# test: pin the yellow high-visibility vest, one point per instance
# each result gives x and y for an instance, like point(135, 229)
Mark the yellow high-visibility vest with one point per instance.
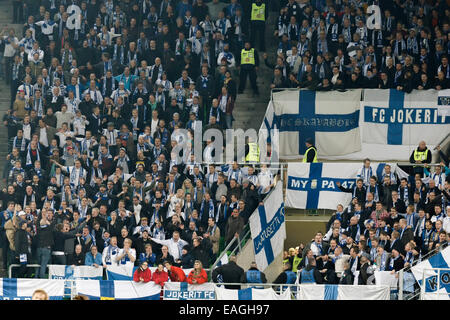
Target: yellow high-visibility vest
point(258, 12)
point(420, 155)
point(305, 156)
point(248, 56)
point(253, 152)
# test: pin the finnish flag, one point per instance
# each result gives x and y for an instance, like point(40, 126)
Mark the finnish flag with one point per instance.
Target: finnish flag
point(118, 290)
point(23, 289)
point(314, 185)
point(392, 117)
point(330, 119)
point(268, 228)
point(437, 285)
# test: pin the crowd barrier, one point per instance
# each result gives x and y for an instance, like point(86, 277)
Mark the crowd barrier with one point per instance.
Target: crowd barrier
point(59, 289)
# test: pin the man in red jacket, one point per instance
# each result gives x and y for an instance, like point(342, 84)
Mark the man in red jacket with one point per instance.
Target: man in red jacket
point(175, 274)
point(143, 273)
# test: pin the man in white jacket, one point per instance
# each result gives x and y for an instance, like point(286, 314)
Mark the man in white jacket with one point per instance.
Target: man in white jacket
point(175, 244)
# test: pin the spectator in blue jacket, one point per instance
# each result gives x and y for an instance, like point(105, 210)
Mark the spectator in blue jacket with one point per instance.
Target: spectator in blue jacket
point(93, 258)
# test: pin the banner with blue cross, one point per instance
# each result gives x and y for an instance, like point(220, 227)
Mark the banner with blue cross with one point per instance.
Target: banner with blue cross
point(330, 119)
point(23, 289)
point(118, 290)
point(268, 228)
point(392, 117)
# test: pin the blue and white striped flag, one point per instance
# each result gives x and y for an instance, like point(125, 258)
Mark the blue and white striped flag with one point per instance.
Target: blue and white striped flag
point(118, 290)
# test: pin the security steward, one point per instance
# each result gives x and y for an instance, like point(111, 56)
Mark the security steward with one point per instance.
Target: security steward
point(311, 152)
point(287, 276)
point(253, 275)
point(310, 274)
point(258, 17)
point(251, 151)
point(248, 65)
point(420, 155)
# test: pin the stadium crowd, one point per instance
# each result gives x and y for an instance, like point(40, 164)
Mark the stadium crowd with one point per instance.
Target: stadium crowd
point(327, 45)
point(390, 223)
point(91, 178)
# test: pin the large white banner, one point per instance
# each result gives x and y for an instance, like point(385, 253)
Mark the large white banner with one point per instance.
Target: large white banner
point(330, 119)
point(383, 125)
point(314, 185)
point(268, 228)
point(392, 118)
point(251, 294)
point(118, 290)
point(76, 272)
point(23, 289)
point(343, 292)
point(437, 284)
point(185, 291)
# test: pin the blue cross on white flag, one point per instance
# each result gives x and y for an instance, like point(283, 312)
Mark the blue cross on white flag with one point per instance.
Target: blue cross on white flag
point(22, 289)
point(397, 118)
point(118, 290)
point(435, 289)
point(268, 228)
point(330, 119)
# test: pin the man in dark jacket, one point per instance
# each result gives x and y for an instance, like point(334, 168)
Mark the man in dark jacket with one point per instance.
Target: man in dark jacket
point(45, 241)
point(22, 246)
point(229, 273)
point(251, 198)
point(347, 277)
point(77, 258)
point(235, 225)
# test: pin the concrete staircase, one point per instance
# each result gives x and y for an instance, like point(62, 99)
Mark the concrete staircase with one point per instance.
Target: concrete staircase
point(249, 111)
point(6, 12)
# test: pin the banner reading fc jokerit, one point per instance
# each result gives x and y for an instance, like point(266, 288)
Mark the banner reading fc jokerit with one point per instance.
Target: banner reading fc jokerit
point(381, 124)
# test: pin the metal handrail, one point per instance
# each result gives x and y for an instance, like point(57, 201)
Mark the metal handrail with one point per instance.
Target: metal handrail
point(18, 265)
point(224, 252)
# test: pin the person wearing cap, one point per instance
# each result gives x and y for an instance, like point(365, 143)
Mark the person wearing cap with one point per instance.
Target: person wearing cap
point(311, 151)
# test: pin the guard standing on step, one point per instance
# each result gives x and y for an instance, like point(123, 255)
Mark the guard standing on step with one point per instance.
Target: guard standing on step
point(258, 19)
point(311, 152)
point(248, 65)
